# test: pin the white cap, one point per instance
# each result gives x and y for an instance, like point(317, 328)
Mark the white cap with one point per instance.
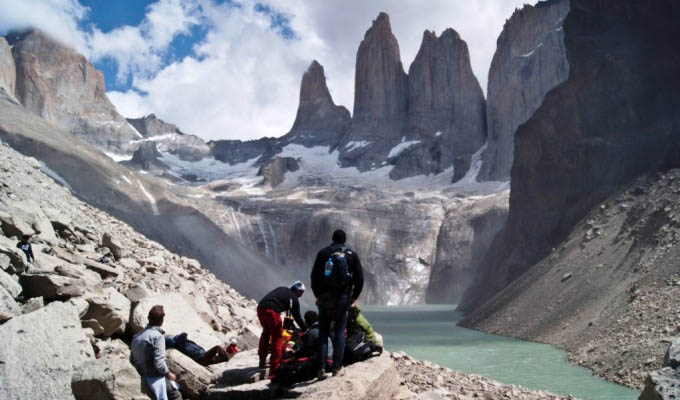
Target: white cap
point(298, 285)
point(232, 341)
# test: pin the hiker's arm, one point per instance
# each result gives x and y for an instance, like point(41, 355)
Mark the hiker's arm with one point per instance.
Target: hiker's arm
point(159, 356)
point(357, 278)
point(317, 272)
point(296, 314)
point(367, 328)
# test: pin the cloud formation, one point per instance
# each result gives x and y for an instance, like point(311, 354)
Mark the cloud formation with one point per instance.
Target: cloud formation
point(242, 80)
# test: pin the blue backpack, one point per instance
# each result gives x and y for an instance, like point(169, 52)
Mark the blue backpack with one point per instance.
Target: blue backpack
point(337, 274)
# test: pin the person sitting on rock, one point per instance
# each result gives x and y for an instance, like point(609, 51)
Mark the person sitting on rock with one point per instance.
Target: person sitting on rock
point(25, 246)
point(147, 353)
point(215, 355)
point(362, 341)
point(269, 311)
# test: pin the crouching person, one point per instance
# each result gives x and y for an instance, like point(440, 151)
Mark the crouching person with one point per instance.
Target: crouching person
point(148, 356)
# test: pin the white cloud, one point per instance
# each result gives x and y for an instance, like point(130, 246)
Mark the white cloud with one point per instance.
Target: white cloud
point(243, 82)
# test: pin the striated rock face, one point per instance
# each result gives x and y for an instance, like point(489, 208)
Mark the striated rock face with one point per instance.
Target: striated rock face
point(7, 69)
point(275, 171)
point(146, 157)
point(446, 107)
point(464, 238)
point(530, 60)
point(318, 121)
point(614, 119)
point(170, 139)
point(236, 152)
point(61, 86)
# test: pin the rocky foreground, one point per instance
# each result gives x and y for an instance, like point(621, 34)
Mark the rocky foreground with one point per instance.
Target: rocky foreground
point(66, 319)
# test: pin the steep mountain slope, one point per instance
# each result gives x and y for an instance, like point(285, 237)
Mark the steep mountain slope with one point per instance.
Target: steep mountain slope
point(611, 121)
point(60, 85)
point(169, 138)
point(530, 60)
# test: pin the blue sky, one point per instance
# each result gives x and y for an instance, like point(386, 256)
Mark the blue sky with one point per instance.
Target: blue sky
point(231, 69)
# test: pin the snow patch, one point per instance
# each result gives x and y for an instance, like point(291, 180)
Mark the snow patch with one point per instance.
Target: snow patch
point(118, 157)
point(396, 150)
point(125, 178)
point(438, 133)
point(529, 54)
point(351, 146)
point(135, 130)
point(152, 200)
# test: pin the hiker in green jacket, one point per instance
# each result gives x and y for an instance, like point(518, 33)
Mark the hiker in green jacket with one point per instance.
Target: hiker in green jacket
point(358, 323)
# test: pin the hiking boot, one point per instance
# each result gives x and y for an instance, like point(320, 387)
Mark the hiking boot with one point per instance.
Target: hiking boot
point(321, 375)
point(338, 372)
point(263, 364)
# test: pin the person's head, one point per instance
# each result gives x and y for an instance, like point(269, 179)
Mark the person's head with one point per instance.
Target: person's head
point(26, 238)
point(298, 288)
point(339, 236)
point(156, 315)
point(311, 317)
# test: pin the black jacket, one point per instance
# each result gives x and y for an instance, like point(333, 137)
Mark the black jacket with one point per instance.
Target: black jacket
point(283, 299)
point(318, 284)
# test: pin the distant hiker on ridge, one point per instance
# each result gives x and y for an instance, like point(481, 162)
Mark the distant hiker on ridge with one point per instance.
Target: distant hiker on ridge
point(148, 356)
point(25, 246)
point(337, 281)
point(268, 312)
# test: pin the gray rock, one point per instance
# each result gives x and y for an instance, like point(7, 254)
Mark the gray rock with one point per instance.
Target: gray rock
point(61, 86)
point(108, 379)
point(33, 304)
point(51, 287)
point(530, 60)
point(111, 310)
point(672, 357)
point(147, 157)
point(10, 284)
point(8, 306)
point(663, 384)
point(170, 139)
point(116, 248)
point(192, 377)
point(275, 171)
point(7, 69)
point(40, 352)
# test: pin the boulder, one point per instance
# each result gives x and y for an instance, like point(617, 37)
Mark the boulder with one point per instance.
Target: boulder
point(8, 306)
point(108, 379)
point(181, 315)
point(663, 384)
point(136, 292)
point(116, 248)
point(672, 357)
point(10, 284)
point(241, 369)
point(112, 348)
point(14, 259)
point(25, 217)
point(40, 351)
point(33, 304)
point(51, 287)
point(111, 310)
point(192, 377)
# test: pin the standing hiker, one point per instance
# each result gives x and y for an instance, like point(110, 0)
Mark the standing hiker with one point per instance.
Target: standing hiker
point(25, 246)
point(337, 281)
point(279, 300)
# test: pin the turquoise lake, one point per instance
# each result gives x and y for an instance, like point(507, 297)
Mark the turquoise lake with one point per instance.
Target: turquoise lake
point(430, 333)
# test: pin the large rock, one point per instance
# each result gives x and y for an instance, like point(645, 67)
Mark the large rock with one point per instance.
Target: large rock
point(192, 377)
point(8, 306)
point(111, 310)
point(672, 357)
point(319, 122)
point(662, 385)
point(446, 106)
point(40, 353)
point(51, 287)
point(108, 379)
point(61, 86)
point(275, 171)
point(14, 259)
point(25, 217)
point(146, 157)
point(112, 244)
point(182, 314)
point(530, 60)
point(611, 121)
point(10, 284)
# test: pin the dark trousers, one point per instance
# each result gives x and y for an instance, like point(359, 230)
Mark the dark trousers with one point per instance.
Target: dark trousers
point(333, 308)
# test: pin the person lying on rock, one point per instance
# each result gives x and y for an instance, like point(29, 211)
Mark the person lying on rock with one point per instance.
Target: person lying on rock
point(215, 355)
point(25, 246)
point(337, 280)
point(281, 299)
point(148, 356)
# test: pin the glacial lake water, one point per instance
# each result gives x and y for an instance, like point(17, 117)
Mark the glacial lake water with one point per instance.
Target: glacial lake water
point(430, 333)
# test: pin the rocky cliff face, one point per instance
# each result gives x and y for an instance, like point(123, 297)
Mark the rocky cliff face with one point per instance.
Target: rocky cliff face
point(169, 139)
point(318, 121)
point(464, 237)
point(7, 69)
point(446, 108)
point(530, 60)
point(61, 86)
point(614, 119)
point(153, 126)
